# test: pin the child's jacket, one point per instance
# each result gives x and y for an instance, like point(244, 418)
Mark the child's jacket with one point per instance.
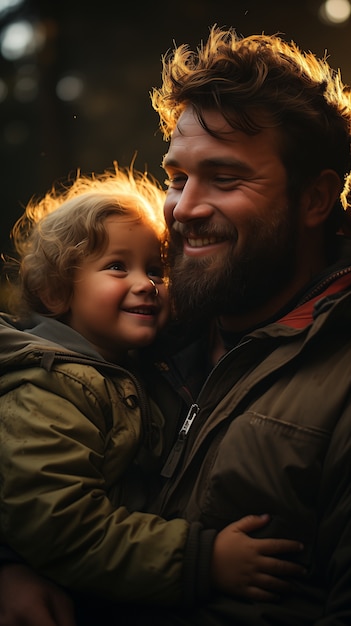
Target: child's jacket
point(79, 440)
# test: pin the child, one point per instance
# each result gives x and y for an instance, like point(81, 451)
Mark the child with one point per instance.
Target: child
point(79, 436)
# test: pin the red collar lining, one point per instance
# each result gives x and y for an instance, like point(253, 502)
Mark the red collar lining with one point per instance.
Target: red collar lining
point(303, 315)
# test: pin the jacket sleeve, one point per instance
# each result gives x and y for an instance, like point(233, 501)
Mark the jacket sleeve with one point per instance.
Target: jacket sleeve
point(197, 564)
point(55, 510)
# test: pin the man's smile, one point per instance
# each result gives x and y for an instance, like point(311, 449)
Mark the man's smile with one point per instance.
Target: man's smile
point(199, 242)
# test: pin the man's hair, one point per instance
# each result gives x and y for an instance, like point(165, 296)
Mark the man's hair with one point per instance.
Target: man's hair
point(55, 233)
point(261, 81)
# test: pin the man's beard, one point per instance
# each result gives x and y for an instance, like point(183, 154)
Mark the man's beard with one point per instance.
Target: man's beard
point(233, 283)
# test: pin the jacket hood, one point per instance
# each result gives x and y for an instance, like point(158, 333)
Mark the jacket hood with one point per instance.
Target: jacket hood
point(25, 343)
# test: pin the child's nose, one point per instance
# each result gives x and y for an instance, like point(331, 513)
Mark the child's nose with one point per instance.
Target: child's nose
point(148, 286)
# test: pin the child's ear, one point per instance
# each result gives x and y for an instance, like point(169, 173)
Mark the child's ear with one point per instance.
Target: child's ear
point(319, 198)
point(54, 303)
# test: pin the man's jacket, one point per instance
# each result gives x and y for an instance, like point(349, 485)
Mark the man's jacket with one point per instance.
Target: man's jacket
point(269, 431)
point(77, 440)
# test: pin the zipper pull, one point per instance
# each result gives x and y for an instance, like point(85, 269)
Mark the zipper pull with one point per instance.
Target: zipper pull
point(177, 450)
point(193, 411)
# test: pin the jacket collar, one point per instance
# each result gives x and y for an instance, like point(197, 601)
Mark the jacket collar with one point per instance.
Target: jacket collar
point(304, 314)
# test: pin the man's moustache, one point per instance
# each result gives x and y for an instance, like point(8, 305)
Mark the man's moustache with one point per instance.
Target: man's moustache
point(202, 231)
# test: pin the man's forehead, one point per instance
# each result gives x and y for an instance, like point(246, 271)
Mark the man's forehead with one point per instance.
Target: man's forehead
point(189, 122)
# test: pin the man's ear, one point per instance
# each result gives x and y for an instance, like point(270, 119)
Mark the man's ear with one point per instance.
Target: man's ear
point(319, 198)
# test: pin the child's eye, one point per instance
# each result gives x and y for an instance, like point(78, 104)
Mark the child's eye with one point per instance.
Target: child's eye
point(117, 266)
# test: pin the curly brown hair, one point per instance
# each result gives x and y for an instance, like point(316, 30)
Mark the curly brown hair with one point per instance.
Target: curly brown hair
point(58, 230)
point(263, 81)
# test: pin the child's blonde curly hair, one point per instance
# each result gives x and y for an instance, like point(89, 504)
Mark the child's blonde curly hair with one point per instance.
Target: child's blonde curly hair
point(66, 225)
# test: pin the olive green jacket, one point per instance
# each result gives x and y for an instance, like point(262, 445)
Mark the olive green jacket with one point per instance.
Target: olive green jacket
point(79, 441)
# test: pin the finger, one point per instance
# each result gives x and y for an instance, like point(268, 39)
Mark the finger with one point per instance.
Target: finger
point(277, 567)
point(279, 546)
point(272, 584)
point(249, 523)
point(261, 595)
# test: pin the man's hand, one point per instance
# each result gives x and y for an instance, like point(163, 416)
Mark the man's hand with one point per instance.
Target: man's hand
point(26, 599)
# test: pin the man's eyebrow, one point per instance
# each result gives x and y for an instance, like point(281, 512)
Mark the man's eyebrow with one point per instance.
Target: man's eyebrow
point(211, 162)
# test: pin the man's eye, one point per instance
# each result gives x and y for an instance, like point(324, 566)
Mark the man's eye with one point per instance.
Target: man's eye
point(225, 178)
point(175, 181)
point(228, 180)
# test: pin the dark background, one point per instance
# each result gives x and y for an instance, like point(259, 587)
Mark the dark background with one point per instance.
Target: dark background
point(115, 50)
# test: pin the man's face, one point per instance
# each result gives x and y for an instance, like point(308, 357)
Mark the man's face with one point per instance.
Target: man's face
point(233, 234)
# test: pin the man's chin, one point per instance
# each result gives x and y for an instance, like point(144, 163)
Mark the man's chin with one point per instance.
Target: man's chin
point(196, 286)
point(193, 305)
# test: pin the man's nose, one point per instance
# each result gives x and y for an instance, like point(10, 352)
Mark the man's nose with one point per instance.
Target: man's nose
point(192, 204)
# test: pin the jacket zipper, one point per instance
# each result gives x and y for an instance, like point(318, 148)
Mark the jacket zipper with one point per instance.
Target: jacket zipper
point(177, 450)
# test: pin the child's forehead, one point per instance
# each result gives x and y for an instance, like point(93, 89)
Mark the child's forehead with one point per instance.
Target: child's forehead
point(125, 222)
point(128, 231)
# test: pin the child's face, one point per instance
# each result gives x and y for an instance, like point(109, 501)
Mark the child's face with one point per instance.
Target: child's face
point(114, 305)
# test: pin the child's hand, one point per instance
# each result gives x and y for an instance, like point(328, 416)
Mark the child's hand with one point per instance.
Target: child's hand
point(248, 567)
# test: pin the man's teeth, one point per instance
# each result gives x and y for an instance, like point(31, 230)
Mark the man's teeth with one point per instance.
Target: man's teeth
point(203, 241)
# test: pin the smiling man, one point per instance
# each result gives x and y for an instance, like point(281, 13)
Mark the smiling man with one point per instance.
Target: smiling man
point(258, 167)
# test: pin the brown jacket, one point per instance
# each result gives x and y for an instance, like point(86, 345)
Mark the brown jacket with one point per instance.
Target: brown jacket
point(272, 434)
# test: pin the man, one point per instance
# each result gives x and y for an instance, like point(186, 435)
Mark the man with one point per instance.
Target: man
point(257, 164)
